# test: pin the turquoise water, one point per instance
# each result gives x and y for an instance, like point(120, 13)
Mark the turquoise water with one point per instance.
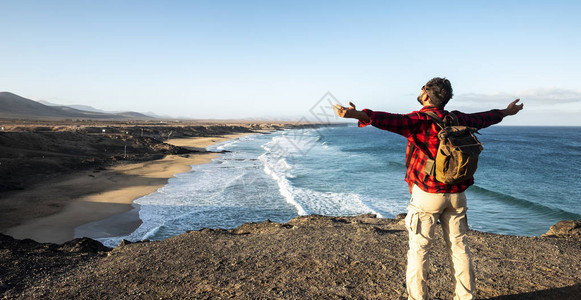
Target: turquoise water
point(528, 179)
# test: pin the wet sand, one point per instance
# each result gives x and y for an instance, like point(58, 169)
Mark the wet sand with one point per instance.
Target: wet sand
point(100, 203)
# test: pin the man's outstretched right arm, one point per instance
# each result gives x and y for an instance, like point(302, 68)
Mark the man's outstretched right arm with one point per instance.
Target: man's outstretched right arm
point(400, 124)
point(351, 113)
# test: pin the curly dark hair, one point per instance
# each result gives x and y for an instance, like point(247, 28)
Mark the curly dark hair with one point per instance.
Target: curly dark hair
point(439, 90)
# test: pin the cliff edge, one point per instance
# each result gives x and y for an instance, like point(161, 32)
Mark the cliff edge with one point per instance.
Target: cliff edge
point(310, 257)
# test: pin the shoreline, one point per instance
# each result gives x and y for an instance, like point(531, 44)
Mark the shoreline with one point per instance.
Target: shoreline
point(100, 204)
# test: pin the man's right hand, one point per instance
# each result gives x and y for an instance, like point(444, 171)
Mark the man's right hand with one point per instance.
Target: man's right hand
point(350, 112)
point(345, 112)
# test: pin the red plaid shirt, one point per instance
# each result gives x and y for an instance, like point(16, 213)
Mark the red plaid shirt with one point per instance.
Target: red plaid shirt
point(422, 131)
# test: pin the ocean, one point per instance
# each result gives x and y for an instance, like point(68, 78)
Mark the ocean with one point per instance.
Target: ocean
point(528, 179)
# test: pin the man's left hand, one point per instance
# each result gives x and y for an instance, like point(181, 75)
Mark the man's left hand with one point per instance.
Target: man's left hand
point(513, 108)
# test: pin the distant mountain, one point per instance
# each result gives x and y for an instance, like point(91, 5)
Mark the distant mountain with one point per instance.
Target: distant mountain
point(13, 106)
point(152, 114)
point(129, 114)
point(75, 106)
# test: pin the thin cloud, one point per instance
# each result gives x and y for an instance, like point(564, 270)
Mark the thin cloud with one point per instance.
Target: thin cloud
point(532, 98)
point(542, 106)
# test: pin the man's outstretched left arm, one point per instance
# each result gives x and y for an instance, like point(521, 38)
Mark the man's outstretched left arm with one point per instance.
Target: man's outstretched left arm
point(487, 118)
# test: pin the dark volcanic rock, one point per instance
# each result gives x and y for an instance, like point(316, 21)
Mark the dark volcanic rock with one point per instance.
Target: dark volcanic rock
point(26, 263)
point(84, 245)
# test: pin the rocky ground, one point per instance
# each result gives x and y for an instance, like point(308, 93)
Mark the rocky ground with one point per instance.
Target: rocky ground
point(310, 257)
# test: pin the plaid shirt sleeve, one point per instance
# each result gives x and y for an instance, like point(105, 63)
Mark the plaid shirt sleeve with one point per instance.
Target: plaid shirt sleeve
point(422, 132)
point(479, 120)
point(405, 125)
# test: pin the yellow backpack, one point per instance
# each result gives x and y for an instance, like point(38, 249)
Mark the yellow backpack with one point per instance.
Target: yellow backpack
point(457, 156)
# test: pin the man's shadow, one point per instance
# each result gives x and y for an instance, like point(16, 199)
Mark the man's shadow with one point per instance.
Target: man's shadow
point(568, 292)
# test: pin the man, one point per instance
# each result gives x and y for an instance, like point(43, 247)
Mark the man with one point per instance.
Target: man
point(432, 200)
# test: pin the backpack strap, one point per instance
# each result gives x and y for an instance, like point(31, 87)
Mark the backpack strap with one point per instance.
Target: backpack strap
point(408, 159)
point(432, 115)
point(413, 148)
point(438, 120)
point(415, 145)
point(454, 118)
point(418, 145)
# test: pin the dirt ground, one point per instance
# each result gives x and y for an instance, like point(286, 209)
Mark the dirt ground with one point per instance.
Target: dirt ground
point(310, 257)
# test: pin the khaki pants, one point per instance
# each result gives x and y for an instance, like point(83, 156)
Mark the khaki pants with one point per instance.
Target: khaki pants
point(423, 212)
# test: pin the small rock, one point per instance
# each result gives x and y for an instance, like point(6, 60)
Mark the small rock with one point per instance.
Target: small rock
point(124, 242)
point(400, 217)
point(569, 228)
point(84, 245)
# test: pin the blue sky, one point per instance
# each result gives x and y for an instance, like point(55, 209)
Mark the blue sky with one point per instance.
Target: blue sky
point(275, 60)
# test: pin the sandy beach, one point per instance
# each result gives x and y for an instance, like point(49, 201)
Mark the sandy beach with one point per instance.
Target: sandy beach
point(87, 197)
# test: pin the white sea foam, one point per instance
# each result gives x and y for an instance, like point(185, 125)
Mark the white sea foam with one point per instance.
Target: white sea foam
point(276, 176)
point(305, 200)
point(151, 233)
point(285, 188)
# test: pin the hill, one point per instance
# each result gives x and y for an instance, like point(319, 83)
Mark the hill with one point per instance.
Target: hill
point(17, 107)
point(128, 114)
